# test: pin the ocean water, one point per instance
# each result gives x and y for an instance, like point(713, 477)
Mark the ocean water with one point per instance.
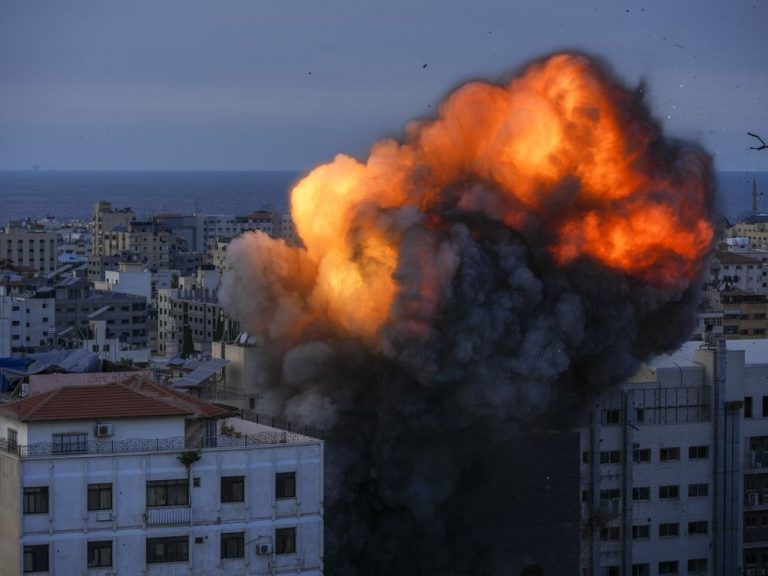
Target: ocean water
point(70, 195)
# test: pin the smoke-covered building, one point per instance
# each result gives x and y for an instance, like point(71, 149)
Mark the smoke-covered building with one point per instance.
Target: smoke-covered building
point(671, 467)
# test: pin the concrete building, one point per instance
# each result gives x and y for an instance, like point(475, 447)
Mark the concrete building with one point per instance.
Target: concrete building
point(129, 278)
point(105, 220)
point(671, 466)
point(744, 313)
point(127, 316)
point(196, 310)
point(738, 271)
point(135, 478)
point(31, 323)
point(754, 229)
point(23, 245)
point(112, 349)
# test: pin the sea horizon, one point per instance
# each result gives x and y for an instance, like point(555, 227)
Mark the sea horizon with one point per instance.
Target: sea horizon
point(41, 193)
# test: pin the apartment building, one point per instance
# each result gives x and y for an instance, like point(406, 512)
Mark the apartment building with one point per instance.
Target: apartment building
point(105, 220)
point(126, 315)
point(671, 479)
point(754, 229)
point(133, 477)
point(31, 323)
point(196, 311)
point(25, 246)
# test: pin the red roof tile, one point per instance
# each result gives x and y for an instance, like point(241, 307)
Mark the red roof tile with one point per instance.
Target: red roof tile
point(131, 398)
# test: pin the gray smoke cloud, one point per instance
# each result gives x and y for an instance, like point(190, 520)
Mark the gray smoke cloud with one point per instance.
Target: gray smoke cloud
point(429, 424)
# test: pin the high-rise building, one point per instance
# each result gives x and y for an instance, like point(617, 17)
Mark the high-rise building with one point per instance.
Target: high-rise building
point(672, 466)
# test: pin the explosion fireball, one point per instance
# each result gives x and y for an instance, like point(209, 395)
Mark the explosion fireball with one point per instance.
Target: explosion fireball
point(531, 244)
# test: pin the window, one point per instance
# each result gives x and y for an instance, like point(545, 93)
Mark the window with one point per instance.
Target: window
point(640, 455)
point(696, 528)
point(285, 485)
point(669, 492)
point(668, 567)
point(13, 439)
point(748, 407)
point(169, 549)
point(36, 558)
point(613, 571)
point(698, 490)
point(72, 443)
point(233, 488)
point(36, 500)
point(100, 554)
point(697, 566)
point(669, 454)
point(99, 496)
point(611, 417)
point(610, 457)
point(641, 532)
point(610, 533)
point(285, 540)
point(641, 569)
point(233, 545)
point(698, 452)
point(667, 530)
point(641, 493)
point(167, 493)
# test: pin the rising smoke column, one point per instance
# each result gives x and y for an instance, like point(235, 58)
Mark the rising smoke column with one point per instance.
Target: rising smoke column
point(527, 247)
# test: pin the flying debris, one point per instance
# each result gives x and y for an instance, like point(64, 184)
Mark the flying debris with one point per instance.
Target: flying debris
point(459, 289)
point(762, 146)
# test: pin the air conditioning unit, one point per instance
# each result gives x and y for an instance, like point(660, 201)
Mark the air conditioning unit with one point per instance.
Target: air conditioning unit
point(263, 549)
point(103, 430)
point(753, 498)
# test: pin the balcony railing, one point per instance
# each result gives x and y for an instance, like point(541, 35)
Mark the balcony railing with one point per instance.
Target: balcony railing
point(139, 445)
point(168, 516)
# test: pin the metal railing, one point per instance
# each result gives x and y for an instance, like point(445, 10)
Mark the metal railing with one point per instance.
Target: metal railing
point(139, 445)
point(168, 516)
point(281, 423)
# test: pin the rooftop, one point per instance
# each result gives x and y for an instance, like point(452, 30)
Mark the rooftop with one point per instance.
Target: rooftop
point(134, 397)
point(736, 258)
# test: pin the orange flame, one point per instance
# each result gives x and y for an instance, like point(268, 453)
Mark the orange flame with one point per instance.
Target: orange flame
point(559, 144)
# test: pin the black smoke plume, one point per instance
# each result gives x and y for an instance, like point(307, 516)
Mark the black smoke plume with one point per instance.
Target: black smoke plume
point(440, 456)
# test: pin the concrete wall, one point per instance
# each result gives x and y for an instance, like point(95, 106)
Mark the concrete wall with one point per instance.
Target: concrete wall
point(10, 551)
point(69, 525)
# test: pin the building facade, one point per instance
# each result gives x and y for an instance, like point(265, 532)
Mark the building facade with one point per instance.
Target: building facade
point(139, 479)
point(25, 246)
point(671, 467)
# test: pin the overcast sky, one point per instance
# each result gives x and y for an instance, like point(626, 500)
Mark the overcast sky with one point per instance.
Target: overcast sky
point(286, 84)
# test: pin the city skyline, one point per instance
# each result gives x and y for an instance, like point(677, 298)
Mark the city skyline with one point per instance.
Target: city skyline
point(262, 86)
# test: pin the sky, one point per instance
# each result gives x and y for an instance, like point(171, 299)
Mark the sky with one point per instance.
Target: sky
point(287, 84)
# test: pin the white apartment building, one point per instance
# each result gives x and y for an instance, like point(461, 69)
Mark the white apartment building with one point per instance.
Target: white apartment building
point(31, 322)
point(671, 477)
point(135, 478)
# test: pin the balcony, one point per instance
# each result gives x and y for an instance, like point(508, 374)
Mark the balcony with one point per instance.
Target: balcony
point(168, 516)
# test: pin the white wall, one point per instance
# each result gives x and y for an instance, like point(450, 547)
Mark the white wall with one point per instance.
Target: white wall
point(69, 525)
